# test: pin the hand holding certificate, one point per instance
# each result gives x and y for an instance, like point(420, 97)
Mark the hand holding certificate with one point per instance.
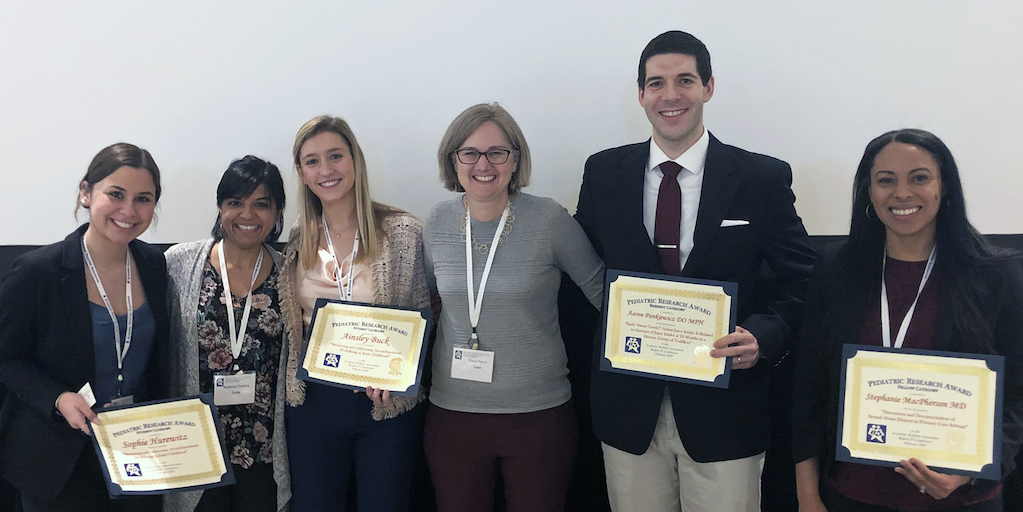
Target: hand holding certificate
point(357, 346)
point(942, 408)
point(159, 447)
point(665, 327)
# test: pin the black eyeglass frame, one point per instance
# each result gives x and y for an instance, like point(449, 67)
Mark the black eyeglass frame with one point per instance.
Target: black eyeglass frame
point(460, 153)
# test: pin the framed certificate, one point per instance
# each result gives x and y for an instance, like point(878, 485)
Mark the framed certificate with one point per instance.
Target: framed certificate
point(353, 345)
point(162, 446)
point(944, 408)
point(664, 327)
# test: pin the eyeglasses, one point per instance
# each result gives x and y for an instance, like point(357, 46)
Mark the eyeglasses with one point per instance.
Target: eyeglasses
point(494, 156)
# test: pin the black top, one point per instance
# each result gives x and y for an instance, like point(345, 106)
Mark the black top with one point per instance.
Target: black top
point(46, 348)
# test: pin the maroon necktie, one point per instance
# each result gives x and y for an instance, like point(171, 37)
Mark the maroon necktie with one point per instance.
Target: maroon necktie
point(669, 218)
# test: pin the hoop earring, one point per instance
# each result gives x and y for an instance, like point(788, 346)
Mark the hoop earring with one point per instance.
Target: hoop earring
point(867, 211)
point(279, 225)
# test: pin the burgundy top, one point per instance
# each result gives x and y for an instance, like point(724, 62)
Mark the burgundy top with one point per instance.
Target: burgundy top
point(878, 485)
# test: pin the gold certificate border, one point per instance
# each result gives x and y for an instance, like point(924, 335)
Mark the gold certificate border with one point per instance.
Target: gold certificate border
point(985, 400)
point(379, 314)
point(680, 290)
point(153, 412)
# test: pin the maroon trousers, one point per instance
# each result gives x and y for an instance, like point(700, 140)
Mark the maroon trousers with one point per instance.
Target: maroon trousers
point(534, 452)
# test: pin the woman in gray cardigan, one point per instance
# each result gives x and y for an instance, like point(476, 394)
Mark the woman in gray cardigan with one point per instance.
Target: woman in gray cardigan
point(237, 348)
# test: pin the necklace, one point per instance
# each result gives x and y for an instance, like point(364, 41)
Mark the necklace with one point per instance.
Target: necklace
point(484, 247)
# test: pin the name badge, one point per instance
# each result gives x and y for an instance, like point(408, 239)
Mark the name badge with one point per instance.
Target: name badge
point(236, 389)
point(87, 395)
point(469, 364)
point(123, 400)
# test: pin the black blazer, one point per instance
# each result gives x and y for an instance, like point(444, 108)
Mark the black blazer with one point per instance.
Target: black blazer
point(714, 424)
point(842, 293)
point(46, 349)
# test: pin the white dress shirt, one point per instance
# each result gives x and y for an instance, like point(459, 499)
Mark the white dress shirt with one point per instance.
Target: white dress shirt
point(690, 180)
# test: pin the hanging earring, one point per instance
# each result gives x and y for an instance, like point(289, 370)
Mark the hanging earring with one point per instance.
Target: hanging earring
point(867, 211)
point(218, 230)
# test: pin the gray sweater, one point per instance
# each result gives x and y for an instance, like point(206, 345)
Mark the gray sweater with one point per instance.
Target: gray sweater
point(185, 264)
point(519, 318)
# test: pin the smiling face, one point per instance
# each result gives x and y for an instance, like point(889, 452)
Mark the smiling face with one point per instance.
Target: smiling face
point(327, 168)
point(247, 221)
point(121, 206)
point(484, 181)
point(906, 191)
point(673, 96)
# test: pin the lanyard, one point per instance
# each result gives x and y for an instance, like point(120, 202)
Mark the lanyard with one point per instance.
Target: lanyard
point(337, 270)
point(121, 351)
point(886, 328)
point(237, 339)
point(476, 303)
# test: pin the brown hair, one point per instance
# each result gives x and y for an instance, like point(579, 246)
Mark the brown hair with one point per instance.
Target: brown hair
point(463, 127)
point(112, 158)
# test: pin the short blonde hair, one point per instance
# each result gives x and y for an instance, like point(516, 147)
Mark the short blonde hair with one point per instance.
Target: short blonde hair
point(369, 214)
point(464, 126)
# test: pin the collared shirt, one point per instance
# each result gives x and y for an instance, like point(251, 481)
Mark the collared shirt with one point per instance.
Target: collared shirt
point(691, 182)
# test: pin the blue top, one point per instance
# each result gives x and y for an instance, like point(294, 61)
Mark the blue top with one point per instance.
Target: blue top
point(143, 332)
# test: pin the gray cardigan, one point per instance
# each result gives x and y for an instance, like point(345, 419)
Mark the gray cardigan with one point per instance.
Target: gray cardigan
point(185, 264)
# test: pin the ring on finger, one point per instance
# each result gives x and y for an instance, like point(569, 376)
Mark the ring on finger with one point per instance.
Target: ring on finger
point(923, 489)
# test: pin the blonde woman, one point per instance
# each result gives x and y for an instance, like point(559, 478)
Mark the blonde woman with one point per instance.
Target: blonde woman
point(347, 246)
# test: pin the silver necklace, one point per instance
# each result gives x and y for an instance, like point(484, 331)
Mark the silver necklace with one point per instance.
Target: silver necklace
point(484, 247)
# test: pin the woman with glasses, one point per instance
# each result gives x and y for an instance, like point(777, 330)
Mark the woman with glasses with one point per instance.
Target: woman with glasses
point(500, 399)
point(345, 246)
point(913, 260)
point(85, 316)
point(226, 321)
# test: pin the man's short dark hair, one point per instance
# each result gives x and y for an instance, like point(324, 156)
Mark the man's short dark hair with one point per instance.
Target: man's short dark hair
point(676, 41)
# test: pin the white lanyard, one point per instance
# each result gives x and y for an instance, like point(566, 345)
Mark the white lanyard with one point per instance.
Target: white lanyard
point(886, 328)
point(121, 351)
point(337, 271)
point(476, 303)
point(237, 339)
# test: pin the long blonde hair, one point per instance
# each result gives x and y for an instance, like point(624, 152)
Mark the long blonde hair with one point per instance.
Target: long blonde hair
point(369, 214)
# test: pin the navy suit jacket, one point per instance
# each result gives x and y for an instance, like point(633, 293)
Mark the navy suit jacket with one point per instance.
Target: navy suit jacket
point(46, 349)
point(714, 424)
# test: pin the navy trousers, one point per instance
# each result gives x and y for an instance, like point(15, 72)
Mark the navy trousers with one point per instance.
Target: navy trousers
point(332, 439)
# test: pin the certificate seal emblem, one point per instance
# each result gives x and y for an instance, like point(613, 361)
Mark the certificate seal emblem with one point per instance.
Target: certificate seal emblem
point(955, 439)
point(701, 355)
point(396, 365)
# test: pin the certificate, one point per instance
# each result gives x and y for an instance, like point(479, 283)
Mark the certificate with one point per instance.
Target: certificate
point(943, 408)
point(353, 345)
point(157, 447)
point(664, 327)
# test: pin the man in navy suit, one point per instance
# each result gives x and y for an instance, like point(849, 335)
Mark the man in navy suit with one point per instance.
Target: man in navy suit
point(669, 444)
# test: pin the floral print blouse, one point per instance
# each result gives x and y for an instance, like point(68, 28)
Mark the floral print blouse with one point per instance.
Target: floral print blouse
point(247, 427)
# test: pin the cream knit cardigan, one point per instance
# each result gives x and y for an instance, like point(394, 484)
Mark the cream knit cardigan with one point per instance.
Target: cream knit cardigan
point(399, 279)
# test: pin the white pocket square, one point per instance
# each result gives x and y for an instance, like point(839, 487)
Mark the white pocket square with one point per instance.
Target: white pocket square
point(727, 223)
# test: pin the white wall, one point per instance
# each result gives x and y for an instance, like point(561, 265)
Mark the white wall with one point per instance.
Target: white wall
point(200, 83)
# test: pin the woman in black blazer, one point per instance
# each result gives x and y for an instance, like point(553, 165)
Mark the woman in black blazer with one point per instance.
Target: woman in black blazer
point(57, 335)
point(908, 224)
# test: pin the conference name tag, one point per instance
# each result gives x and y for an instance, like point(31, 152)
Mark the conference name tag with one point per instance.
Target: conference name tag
point(469, 364)
point(236, 389)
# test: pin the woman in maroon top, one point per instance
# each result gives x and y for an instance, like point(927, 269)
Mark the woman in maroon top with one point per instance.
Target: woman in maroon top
point(908, 224)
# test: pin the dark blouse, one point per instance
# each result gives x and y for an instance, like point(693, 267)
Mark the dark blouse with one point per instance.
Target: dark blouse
point(105, 388)
point(248, 427)
point(882, 485)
